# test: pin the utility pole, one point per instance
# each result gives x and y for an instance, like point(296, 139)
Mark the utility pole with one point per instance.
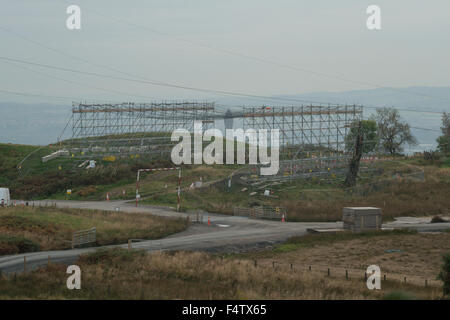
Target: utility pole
point(353, 168)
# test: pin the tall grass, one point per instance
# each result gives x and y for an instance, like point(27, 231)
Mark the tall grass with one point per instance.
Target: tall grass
point(120, 274)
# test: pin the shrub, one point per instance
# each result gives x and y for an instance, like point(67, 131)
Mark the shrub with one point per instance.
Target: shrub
point(14, 245)
point(437, 219)
point(399, 295)
point(444, 275)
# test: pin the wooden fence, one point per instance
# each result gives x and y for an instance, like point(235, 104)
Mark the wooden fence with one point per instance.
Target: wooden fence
point(84, 237)
point(344, 272)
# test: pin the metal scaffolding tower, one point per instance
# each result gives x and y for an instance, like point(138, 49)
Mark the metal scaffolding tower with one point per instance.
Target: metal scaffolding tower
point(145, 128)
point(308, 127)
point(94, 120)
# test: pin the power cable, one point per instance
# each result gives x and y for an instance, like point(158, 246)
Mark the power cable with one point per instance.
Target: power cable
point(21, 36)
point(261, 60)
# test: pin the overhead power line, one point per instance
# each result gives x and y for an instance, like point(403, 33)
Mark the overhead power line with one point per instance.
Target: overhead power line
point(21, 36)
point(157, 83)
point(75, 82)
point(164, 84)
point(259, 59)
point(66, 54)
point(25, 94)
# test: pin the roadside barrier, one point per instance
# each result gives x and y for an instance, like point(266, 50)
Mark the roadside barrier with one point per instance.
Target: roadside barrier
point(278, 213)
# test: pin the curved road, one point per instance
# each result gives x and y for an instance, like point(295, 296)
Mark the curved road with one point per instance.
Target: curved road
point(226, 233)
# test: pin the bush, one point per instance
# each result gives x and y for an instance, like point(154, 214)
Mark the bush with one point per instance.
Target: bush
point(399, 295)
point(437, 219)
point(444, 275)
point(14, 245)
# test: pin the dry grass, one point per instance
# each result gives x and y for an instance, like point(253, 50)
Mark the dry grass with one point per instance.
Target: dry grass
point(319, 201)
point(306, 201)
point(51, 228)
point(405, 198)
point(417, 256)
point(120, 274)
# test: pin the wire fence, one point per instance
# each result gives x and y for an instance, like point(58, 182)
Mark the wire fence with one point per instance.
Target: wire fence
point(347, 272)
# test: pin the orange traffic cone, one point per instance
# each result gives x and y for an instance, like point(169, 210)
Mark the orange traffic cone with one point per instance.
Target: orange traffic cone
point(282, 218)
point(107, 197)
point(209, 222)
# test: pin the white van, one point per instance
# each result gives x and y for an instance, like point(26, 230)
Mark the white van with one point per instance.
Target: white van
point(5, 199)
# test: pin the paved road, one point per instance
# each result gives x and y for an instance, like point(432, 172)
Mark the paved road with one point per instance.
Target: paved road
point(226, 233)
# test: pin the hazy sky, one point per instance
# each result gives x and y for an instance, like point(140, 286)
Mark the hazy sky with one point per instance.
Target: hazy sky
point(328, 37)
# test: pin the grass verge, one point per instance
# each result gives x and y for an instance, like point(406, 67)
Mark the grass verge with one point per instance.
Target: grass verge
point(26, 229)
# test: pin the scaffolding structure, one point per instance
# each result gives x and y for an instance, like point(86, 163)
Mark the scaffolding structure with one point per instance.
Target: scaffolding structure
point(145, 128)
point(95, 120)
point(133, 128)
point(306, 128)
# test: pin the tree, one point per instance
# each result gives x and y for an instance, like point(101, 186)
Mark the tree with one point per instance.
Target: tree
point(444, 140)
point(392, 131)
point(369, 132)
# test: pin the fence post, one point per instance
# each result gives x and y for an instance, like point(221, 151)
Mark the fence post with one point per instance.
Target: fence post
point(328, 271)
point(24, 264)
point(309, 268)
point(292, 267)
point(273, 264)
point(129, 244)
point(346, 274)
point(73, 240)
point(384, 277)
point(405, 279)
point(48, 261)
point(426, 283)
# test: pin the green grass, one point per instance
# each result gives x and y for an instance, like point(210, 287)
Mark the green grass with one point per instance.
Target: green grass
point(445, 163)
point(36, 180)
point(51, 228)
point(12, 154)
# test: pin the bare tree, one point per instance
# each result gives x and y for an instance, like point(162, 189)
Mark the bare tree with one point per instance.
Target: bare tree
point(392, 131)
